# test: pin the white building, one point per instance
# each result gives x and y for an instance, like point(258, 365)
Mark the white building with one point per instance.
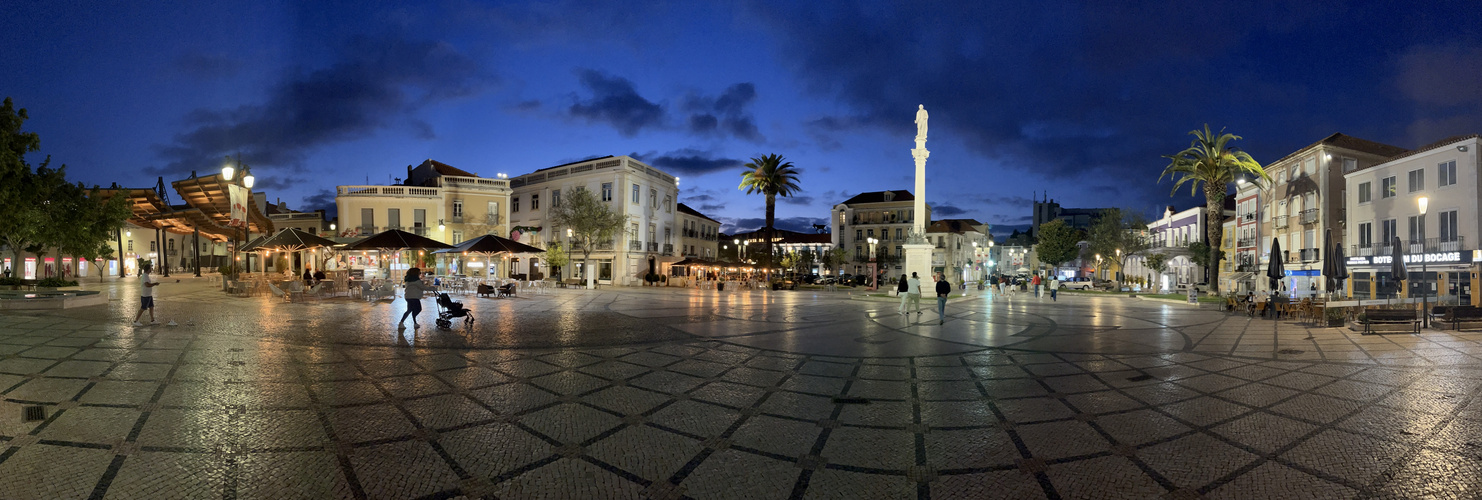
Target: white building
point(1383, 204)
point(699, 235)
point(956, 242)
point(644, 195)
point(884, 215)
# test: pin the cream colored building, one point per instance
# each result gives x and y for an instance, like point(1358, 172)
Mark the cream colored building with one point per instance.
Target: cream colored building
point(436, 200)
point(698, 234)
point(956, 241)
point(644, 195)
point(884, 215)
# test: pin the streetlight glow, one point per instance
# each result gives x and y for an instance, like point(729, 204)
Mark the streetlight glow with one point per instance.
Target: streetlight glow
point(1424, 202)
point(228, 172)
point(248, 180)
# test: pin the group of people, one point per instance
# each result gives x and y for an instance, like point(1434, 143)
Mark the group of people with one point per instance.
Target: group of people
point(1037, 284)
point(910, 291)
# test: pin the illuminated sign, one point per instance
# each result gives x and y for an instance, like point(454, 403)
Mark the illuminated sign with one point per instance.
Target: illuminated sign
point(1358, 261)
point(1428, 258)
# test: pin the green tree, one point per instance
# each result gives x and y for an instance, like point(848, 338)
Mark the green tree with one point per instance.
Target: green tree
point(1058, 243)
point(772, 176)
point(1211, 163)
point(1158, 263)
point(556, 257)
point(1206, 257)
point(591, 222)
point(1117, 235)
point(90, 220)
point(834, 258)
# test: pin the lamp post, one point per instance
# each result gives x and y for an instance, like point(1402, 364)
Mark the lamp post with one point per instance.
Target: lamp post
point(1425, 289)
point(874, 273)
point(229, 174)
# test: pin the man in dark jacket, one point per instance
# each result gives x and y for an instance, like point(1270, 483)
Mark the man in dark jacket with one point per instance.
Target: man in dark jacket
point(943, 290)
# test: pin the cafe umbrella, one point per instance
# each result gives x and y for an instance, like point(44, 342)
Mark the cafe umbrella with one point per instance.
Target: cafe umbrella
point(1329, 266)
point(395, 240)
point(490, 245)
point(1397, 262)
point(1340, 268)
point(1275, 269)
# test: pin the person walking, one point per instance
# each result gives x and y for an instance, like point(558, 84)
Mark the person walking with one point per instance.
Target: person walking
point(1054, 288)
point(146, 296)
point(913, 291)
point(1035, 281)
point(902, 289)
point(415, 287)
point(943, 290)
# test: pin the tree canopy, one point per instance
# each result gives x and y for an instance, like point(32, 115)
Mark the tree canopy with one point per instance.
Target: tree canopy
point(591, 221)
point(1058, 243)
point(772, 176)
point(1212, 163)
point(1118, 235)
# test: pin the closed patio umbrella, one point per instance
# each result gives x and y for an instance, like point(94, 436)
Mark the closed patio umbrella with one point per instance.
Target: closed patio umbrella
point(1340, 268)
point(1397, 264)
point(1275, 269)
point(1329, 269)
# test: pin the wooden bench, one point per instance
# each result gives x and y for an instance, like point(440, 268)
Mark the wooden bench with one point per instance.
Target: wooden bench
point(1390, 317)
point(1456, 315)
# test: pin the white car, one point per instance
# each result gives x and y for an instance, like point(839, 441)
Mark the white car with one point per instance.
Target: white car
point(1075, 285)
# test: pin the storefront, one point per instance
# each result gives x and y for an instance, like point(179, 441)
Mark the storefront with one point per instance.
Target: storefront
point(1445, 275)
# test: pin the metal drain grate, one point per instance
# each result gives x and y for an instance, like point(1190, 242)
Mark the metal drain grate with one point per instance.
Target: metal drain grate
point(1140, 378)
point(1290, 351)
point(851, 401)
point(33, 413)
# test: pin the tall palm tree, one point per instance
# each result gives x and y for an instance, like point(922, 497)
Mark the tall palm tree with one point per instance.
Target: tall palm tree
point(772, 176)
point(1212, 162)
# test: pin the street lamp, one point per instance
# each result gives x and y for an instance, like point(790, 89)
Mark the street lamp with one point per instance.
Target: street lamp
point(1424, 287)
point(229, 173)
point(874, 272)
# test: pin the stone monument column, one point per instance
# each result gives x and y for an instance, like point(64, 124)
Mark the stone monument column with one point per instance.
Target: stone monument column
point(918, 248)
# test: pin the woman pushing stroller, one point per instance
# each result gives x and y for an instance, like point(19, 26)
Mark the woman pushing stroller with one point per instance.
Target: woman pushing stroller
point(415, 287)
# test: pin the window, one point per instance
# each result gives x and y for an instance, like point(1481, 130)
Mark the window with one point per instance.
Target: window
point(131, 245)
point(1389, 229)
point(555, 198)
point(1417, 180)
point(493, 212)
point(1365, 234)
point(635, 193)
point(653, 198)
point(514, 204)
point(1448, 226)
point(367, 218)
point(607, 191)
point(457, 237)
point(535, 202)
point(858, 234)
point(419, 217)
point(457, 208)
point(1446, 174)
point(668, 205)
point(870, 233)
point(393, 217)
point(1387, 187)
point(897, 233)
point(1363, 192)
point(1349, 165)
point(1414, 229)
point(171, 246)
point(1292, 173)
point(152, 247)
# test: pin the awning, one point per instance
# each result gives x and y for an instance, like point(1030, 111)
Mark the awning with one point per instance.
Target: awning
point(209, 194)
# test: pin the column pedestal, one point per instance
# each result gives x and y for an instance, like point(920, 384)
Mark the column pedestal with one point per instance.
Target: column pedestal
point(918, 260)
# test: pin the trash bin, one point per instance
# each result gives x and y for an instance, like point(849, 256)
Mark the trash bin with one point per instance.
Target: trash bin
point(720, 286)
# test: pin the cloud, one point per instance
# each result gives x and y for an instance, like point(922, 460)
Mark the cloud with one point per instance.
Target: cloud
point(206, 66)
point(373, 80)
point(946, 210)
point(321, 199)
point(1430, 75)
point(712, 207)
point(801, 201)
point(615, 102)
point(688, 162)
point(733, 225)
point(1013, 200)
point(699, 198)
point(726, 114)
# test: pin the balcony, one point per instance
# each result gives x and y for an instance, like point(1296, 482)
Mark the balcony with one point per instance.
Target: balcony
point(1245, 243)
point(668, 249)
point(653, 246)
point(456, 219)
point(1309, 216)
point(421, 231)
point(1311, 255)
point(1281, 221)
point(391, 191)
point(635, 246)
point(605, 246)
point(1248, 217)
point(1430, 245)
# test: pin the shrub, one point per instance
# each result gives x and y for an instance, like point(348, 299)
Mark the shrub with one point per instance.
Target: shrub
point(55, 283)
point(225, 269)
point(12, 281)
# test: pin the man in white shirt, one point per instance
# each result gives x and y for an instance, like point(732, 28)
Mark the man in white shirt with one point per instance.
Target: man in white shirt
point(146, 296)
point(1054, 287)
point(913, 290)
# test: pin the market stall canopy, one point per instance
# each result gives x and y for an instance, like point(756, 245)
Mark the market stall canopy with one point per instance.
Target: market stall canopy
point(491, 244)
point(292, 239)
point(396, 239)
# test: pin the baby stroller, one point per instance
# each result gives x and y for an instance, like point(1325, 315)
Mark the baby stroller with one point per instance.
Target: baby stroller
point(447, 310)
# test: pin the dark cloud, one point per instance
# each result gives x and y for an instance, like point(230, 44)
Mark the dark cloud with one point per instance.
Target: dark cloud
point(733, 225)
point(688, 162)
point(945, 210)
point(614, 101)
point(373, 81)
point(206, 66)
point(699, 198)
point(712, 207)
point(527, 105)
point(1012, 200)
point(726, 114)
point(321, 199)
point(801, 201)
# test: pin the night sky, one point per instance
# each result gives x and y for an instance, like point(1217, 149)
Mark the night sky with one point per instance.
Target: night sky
point(1077, 99)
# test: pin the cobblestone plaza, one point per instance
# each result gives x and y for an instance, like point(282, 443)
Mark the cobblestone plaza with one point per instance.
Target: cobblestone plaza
point(683, 393)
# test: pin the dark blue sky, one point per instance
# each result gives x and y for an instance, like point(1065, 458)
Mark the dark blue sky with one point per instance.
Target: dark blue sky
point(1077, 98)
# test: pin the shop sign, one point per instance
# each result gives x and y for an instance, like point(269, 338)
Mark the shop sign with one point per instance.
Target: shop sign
point(1429, 258)
point(1358, 261)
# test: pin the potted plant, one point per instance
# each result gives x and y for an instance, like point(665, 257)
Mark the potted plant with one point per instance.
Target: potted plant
point(1334, 316)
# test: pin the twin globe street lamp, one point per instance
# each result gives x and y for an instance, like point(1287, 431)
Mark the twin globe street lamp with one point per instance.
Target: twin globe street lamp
point(229, 173)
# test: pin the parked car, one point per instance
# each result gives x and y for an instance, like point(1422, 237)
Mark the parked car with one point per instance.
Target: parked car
point(1076, 285)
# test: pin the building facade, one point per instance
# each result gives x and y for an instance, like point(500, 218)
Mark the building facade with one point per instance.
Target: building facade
point(1170, 236)
point(699, 236)
point(883, 215)
point(1305, 202)
point(955, 254)
point(645, 196)
point(1248, 238)
point(1047, 210)
point(786, 242)
point(1383, 204)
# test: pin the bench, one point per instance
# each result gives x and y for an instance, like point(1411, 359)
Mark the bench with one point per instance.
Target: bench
point(1390, 317)
point(1456, 315)
point(484, 290)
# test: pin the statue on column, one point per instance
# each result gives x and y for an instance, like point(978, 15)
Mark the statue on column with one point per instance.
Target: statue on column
point(921, 123)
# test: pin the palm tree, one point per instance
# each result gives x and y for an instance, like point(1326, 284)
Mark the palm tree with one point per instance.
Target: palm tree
point(773, 176)
point(1211, 161)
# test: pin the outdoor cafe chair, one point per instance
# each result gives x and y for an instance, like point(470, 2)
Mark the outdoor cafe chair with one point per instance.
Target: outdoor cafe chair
point(278, 292)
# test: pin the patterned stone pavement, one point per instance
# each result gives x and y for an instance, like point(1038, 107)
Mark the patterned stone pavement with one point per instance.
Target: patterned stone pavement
point(663, 393)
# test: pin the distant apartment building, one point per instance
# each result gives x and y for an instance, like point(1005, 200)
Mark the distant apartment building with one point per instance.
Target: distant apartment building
point(1250, 239)
point(886, 216)
point(1170, 236)
point(1382, 204)
point(1047, 210)
point(436, 200)
point(786, 242)
point(645, 196)
point(1305, 201)
point(698, 234)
